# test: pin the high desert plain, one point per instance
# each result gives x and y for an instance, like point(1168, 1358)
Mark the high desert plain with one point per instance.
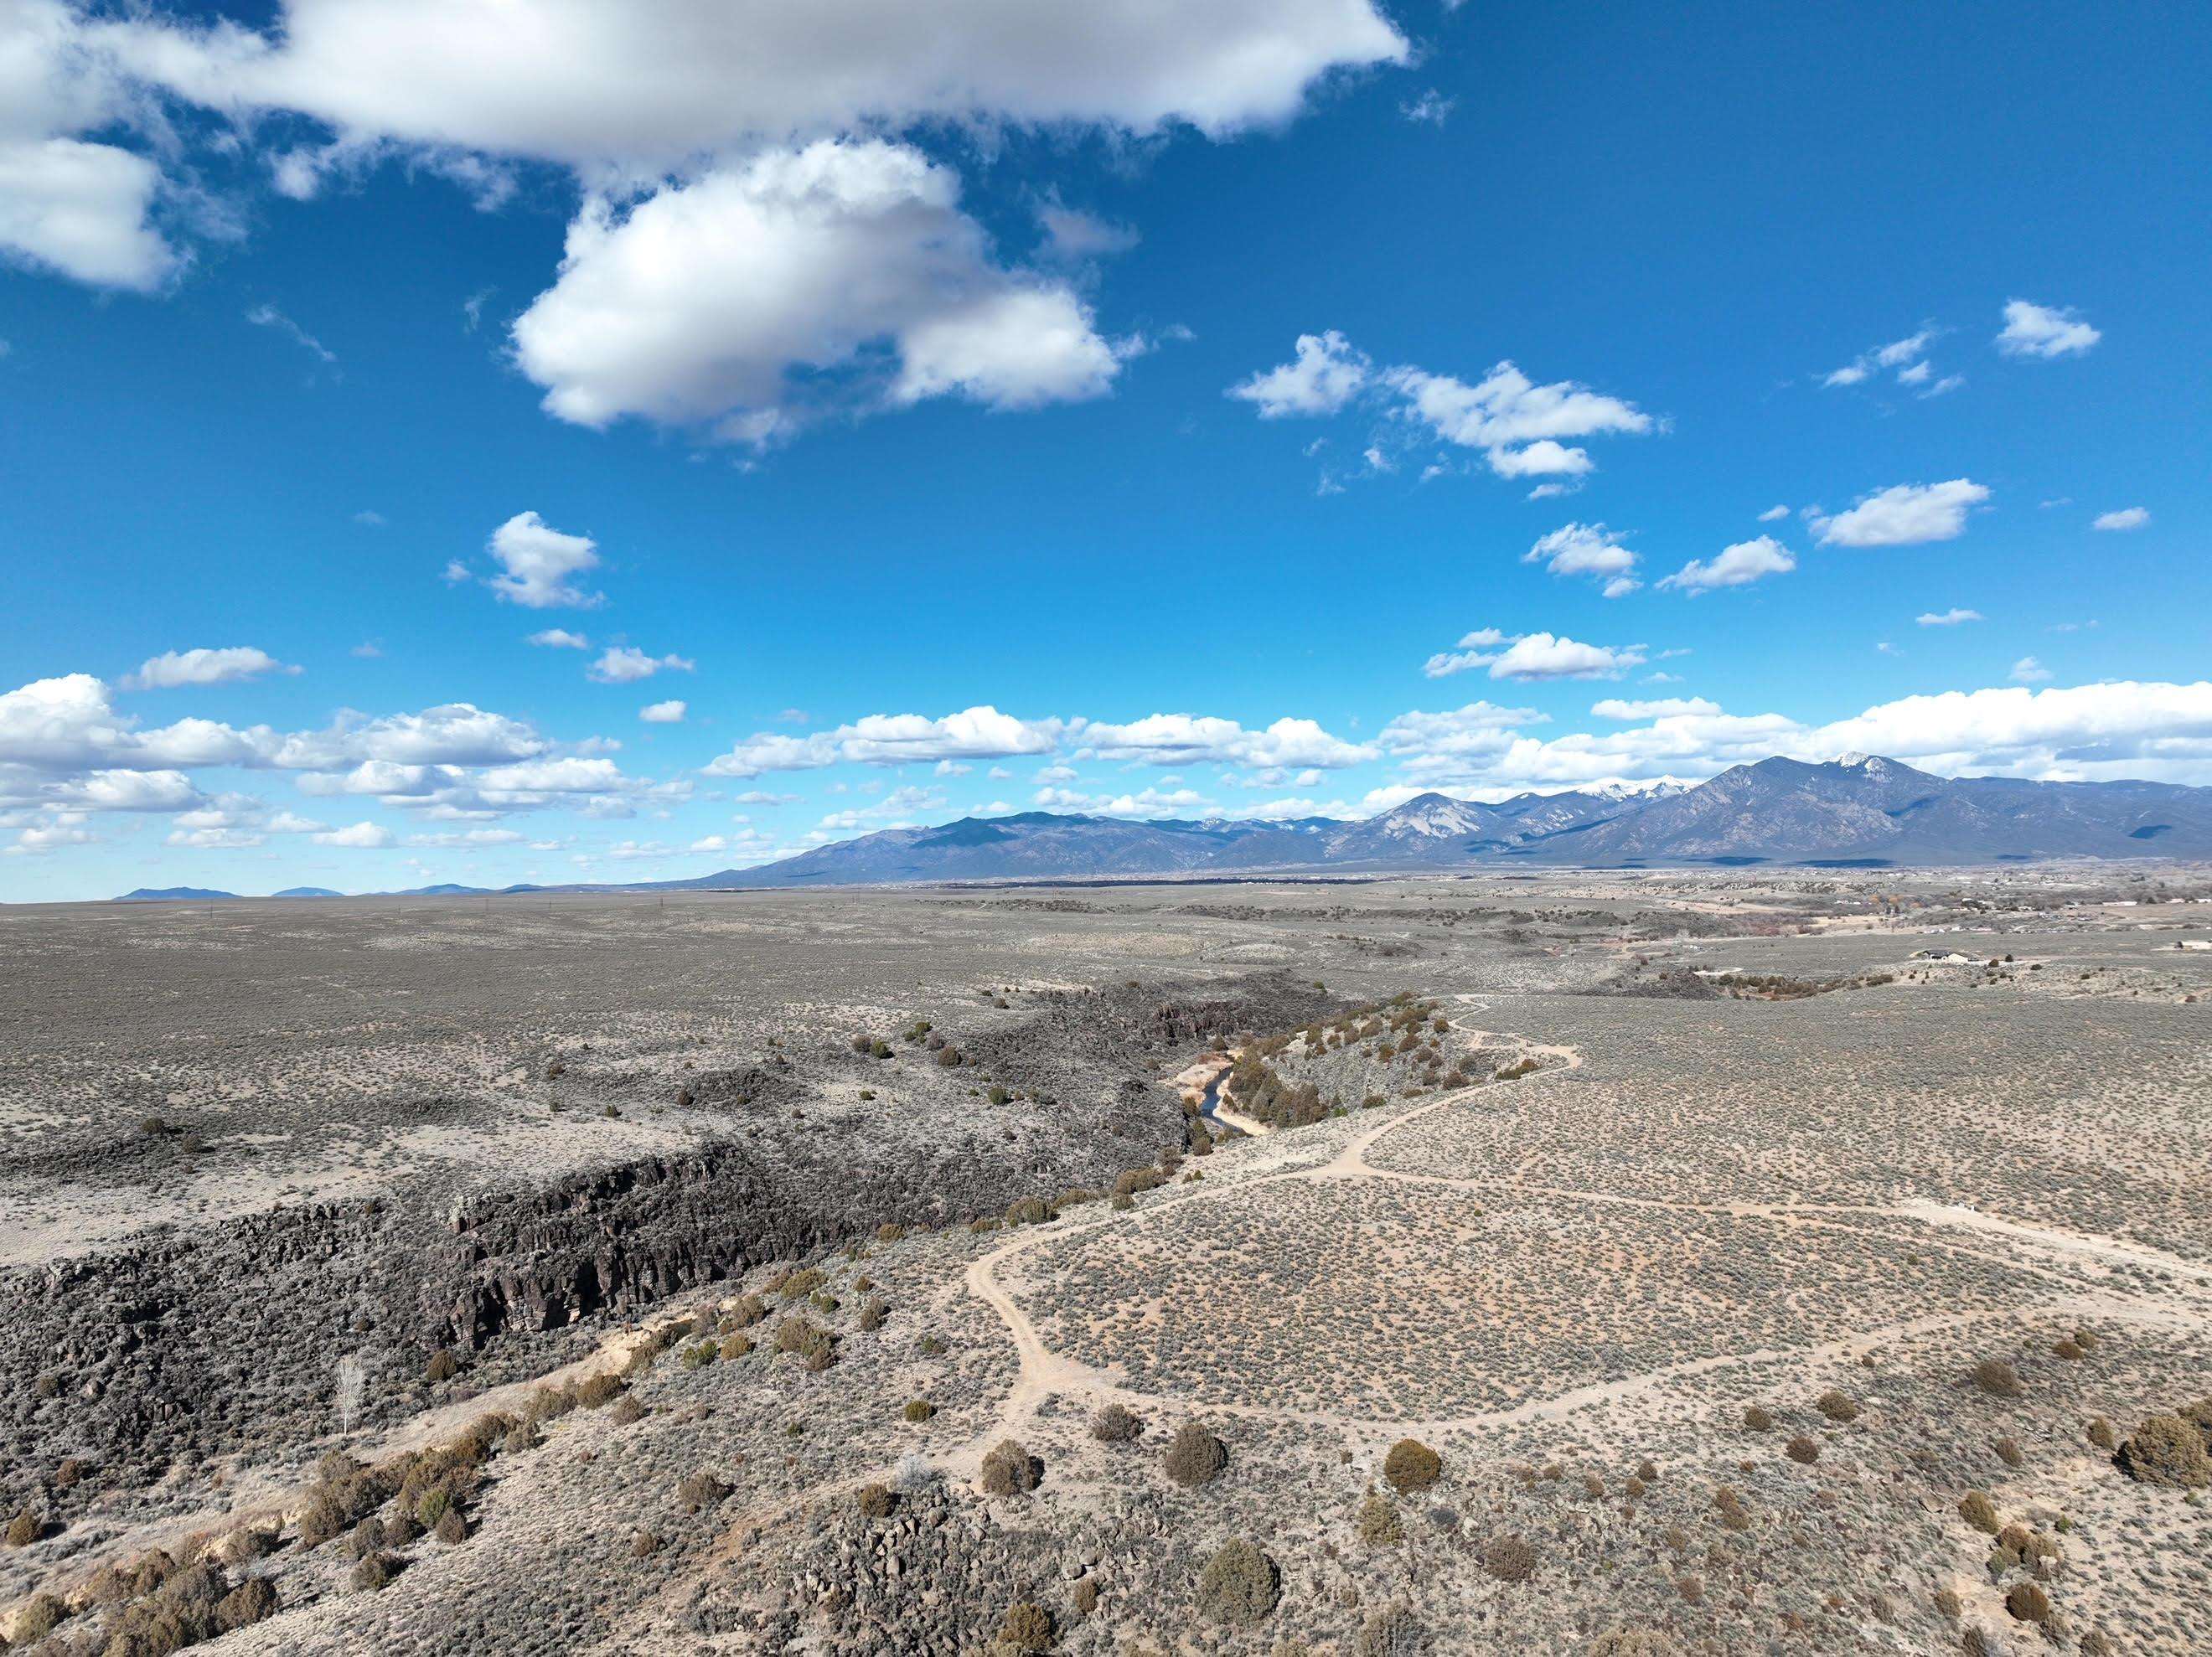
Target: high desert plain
point(1646, 1263)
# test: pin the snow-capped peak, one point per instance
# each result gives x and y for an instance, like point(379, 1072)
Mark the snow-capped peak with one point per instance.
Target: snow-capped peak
point(1431, 816)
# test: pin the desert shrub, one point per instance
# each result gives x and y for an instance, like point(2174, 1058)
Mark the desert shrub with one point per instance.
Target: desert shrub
point(1133, 1180)
point(24, 1528)
point(1085, 1596)
point(334, 1505)
point(1379, 1525)
point(1010, 1469)
point(1120, 1200)
point(2009, 1452)
point(1802, 1449)
point(1028, 1211)
point(998, 1096)
point(874, 1501)
point(378, 1570)
point(550, 1403)
point(797, 1285)
point(745, 1312)
point(1730, 1507)
point(181, 1612)
point(441, 1478)
point(1642, 1642)
point(442, 1366)
point(2019, 1548)
point(948, 1056)
point(1509, 1559)
point(450, 1527)
point(1027, 1628)
point(2101, 1434)
point(523, 1435)
point(2069, 1349)
point(873, 1311)
point(644, 1544)
point(1998, 1379)
point(1238, 1587)
point(2027, 1602)
point(1948, 1604)
point(1837, 1406)
point(1195, 1456)
point(816, 1348)
point(38, 1616)
point(1412, 1465)
point(2166, 1450)
point(1977, 1510)
point(930, 1346)
point(1116, 1423)
point(735, 1347)
point(700, 1490)
point(596, 1391)
point(1758, 1419)
point(1394, 1631)
point(627, 1411)
point(699, 1355)
point(251, 1601)
point(919, 1410)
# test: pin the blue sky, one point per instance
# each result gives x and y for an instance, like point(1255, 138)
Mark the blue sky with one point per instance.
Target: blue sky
point(1137, 382)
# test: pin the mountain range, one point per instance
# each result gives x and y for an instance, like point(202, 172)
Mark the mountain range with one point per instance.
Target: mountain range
point(1858, 811)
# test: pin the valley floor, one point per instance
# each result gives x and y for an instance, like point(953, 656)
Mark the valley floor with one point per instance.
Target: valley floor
point(1864, 1306)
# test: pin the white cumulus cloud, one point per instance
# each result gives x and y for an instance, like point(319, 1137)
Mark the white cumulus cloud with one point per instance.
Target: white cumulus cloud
point(2127, 518)
point(1544, 656)
point(1587, 549)
point(1188, 739)
point(1325, 373)
point(730, 299)
point(627, 665)
point(172, 668)
point(537, 567)
point(1736, 566)
point(2044, 330)
point(1904, 514)
point(981, 733)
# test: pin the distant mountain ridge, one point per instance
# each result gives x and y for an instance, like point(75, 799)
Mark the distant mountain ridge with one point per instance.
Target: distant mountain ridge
point(1858, 811)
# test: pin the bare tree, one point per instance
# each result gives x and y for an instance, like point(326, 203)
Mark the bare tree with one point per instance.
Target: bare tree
point(353, 1380)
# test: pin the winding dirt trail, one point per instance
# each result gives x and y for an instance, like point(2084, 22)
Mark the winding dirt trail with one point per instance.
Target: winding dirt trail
point(1044, 1373)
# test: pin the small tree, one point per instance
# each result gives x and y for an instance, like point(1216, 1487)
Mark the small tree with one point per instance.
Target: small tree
point(1195, 1456)
point(1412, 1465)
point(1011, 1470)
point(1238, 1587)
point(1116, 1423)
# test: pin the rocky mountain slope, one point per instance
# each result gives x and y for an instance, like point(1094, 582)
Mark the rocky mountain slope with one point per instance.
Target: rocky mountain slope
point(1858, 809)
